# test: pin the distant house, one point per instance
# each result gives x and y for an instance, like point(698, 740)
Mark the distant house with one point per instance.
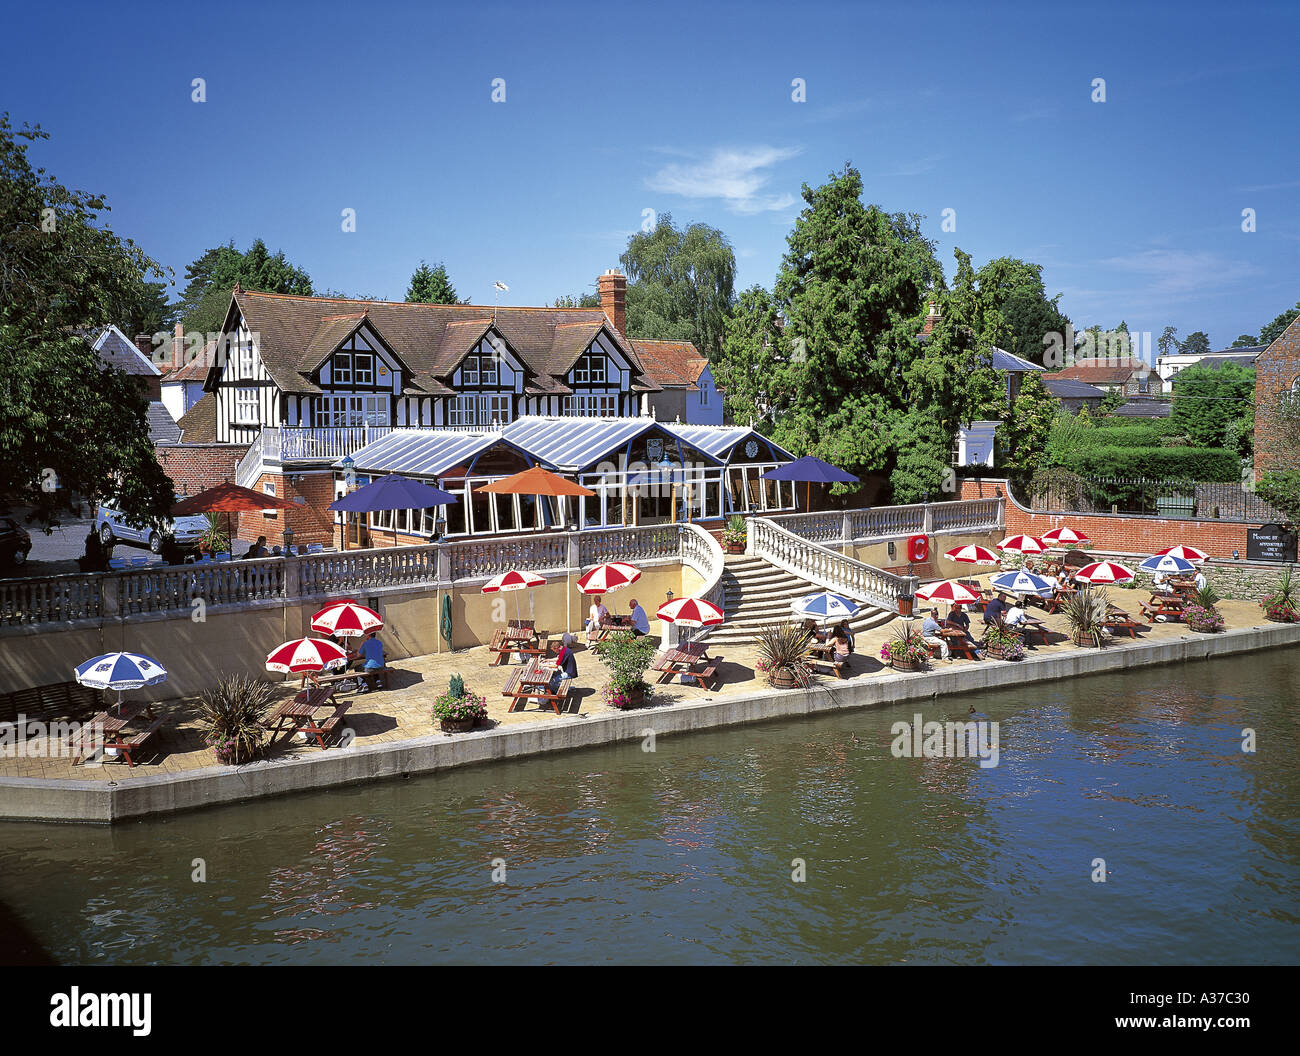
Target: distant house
point(1111, 376)
point(688, 392)
point(1144, 408)
point(115, 349)
point(1074, 395)
point(1168, 367)
point(1277, 401)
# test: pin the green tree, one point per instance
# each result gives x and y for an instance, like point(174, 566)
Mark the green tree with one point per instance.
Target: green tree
point(1207, 400)
point(1197, 343)
point(1280, 488)
point(67, 425)
point(1024, 435)
point(756, 371)
point(1271, 332)
point(1168, 341)
point(210, 279)
point(1112, 401)
point(681, 284)
point(1245, 341)
point(1015, 288)
point(582, 300)
point(431, 286)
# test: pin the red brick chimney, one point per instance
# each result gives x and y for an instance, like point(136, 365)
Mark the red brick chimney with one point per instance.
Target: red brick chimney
point(178, 347)
point(613, 297)
point(932, 317)
point(144, 343)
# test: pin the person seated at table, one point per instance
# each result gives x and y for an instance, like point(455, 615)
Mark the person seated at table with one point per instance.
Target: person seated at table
point(258, 549)
point(370, 657)
point(1160, 584)
point(640, 621)
point(1200, 580)
point(994, 611)
point(1015, 616)
point(599, 615)
point(1062, 578)
point(843, 628)
point(841, 647)
point(931, 636)
point(958, 619)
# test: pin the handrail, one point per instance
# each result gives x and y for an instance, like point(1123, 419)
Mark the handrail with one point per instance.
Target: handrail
point(826, 567)
point(700, 550)
point(838, 528)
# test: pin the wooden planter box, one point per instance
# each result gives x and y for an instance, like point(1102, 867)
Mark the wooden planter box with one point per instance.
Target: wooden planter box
point(457, 725)
point(904, 665)
point(1083, 642)
point(782, 680)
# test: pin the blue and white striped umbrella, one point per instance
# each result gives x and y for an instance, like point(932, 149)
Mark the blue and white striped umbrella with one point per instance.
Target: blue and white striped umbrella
point(1019, 581)
point(1166, 563)
point(121, 671)
point(824, 606)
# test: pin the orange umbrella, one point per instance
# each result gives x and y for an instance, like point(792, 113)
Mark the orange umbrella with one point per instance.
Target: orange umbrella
point(229, 498)
point(536, 481)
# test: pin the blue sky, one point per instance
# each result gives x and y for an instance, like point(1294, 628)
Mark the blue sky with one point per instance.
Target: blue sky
point(1133, 205)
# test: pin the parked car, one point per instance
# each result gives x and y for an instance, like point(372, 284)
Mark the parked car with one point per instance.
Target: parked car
point(15, 542)
point(112, 528)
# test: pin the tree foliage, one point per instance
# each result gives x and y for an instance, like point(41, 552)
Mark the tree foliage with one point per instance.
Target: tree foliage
point(1024, 435)
point(1245, 341)
point(1197, 343)
point(210, 279)
point(431, 286)
point(581, 300)
point(1280, 488)
point(1208, 400)
point(1015, 288)
point(681, 284)
point(67, 424)
point(1273, 330)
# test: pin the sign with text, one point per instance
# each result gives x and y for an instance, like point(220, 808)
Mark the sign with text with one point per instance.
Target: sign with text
point(1272, 542)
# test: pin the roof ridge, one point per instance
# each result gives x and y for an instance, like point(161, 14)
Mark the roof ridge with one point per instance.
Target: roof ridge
point(417, 304)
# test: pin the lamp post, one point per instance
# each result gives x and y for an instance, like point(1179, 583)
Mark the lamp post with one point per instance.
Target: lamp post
point(667, 467)
point(349, 475)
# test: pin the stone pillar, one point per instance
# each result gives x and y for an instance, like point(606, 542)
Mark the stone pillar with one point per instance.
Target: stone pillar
point(292, 578)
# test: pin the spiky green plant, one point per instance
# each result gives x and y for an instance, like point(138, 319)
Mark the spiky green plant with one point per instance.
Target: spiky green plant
point(232, 712)
point(456, 687)
point(1207, 597)
point(1086, 615)
point(782, 649)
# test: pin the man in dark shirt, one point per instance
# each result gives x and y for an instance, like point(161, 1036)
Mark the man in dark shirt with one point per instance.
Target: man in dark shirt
point(993, 612)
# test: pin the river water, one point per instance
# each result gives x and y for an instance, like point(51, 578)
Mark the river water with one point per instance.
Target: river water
point(689, 853)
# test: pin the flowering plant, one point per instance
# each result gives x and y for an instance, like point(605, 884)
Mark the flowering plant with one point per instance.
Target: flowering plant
point(1008, 642)
point(1200, 618)
point(908, 647)
point(622, 698)
point(1280, 605)
point(451, 708)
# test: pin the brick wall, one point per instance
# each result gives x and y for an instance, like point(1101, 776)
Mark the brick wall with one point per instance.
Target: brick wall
point(1276, 370)
point(196, 467)
point(1123, 533)
point(310, 522)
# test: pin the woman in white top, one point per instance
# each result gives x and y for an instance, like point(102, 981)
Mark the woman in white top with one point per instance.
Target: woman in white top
point(599, 615)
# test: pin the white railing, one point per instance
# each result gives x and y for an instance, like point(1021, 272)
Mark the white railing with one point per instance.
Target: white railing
point(352, 571)
point(700, 550)
point(835, 528)
point(484, 558)
point(657, 542)
point(250, 466)
point(325, 444)
point(825, 567)
point(51, 599)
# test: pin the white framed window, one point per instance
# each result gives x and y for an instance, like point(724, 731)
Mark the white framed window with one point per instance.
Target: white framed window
point(246, 405)
point(494, 409)
point(469, 372)
point(343, 411)
point(704, 393)
point(269, 515)
point(487, 370)
point(589, 370)
point(363, 370)
point(246, 363)
point(463, 410)
point(591, 406)
point(342, 373)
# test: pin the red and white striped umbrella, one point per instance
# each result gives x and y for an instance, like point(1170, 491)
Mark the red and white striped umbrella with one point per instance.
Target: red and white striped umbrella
point(346, 619)
point(605, 578)
point(1187, 553)
point(1103, 572)
point(949, 590)
point(515, 579)
point(1022, 544)
point(1064, 536)
point(690, 612)
point(972, 554)
point(305, 654)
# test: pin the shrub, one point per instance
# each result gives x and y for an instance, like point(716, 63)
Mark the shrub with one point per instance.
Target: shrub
point(1280, 605)
point(1201, 619)
point(1010, 642)
point(1155, 463)
point(1086, 615)
point(626, 656)
point(232, 713)
point(782, 648)
point(908, 647)
point(448, 708)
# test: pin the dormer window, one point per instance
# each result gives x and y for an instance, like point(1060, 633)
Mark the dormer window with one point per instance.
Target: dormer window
point(479, 370)
point(343, 369)
point(589, 370)
point(363, 370)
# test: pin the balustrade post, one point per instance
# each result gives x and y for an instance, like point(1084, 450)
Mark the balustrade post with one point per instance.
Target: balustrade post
point(110, 595)
point(292, 577)
point(572, 555)
point(846, 528)
point(443, 562)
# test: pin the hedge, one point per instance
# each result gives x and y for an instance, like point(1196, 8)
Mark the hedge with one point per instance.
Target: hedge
point(1155, 463)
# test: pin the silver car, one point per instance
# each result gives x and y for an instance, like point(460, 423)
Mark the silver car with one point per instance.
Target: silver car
point(112, 527)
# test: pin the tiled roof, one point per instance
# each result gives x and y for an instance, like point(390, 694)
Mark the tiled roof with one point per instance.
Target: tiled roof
point(1096, 372)
point(672, 364)
point(1144, 409)
point(117, 351)
point(1068, 388)
point(430, 339)
point(162, 429)
point(198, 425)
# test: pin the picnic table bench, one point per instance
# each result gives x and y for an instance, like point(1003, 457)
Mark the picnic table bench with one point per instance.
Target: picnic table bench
point(1119, 620)
point(522, 640)
point(105, 731)
point(958, 641)
point(1033, 629)
point(1167, 605)
point(533, 682)
point(824, 653)
point(299, 712)
point(375, 677)
point(58, 700)
point(1059, 597)
point(689, 660)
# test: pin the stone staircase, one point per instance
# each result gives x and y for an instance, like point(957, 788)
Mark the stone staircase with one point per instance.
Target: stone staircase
point(758, 593)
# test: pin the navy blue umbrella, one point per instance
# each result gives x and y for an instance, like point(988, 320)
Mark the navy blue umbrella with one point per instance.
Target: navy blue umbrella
point(813, 470)
point(392, 492)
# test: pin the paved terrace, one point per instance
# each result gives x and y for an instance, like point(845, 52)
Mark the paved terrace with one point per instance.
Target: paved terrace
point(403, 712)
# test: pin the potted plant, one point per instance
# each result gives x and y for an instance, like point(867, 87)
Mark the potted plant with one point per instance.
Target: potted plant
point(1085, 613)
point(215, 539)
point(458, 710)
point(1280, 605)
point(1003, 644)
point(735, 536)
point(626, 656)
point(1201, 618)
point(906, 651)
point(782, 652)
point(231, 715)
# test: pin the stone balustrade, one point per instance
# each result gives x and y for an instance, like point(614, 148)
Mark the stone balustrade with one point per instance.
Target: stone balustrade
point(859, 527)
point(826, 567)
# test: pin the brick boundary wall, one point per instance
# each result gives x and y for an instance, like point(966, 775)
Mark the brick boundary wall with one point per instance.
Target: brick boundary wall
point(1118, 532)
point(196, 467)
point(1277, 368)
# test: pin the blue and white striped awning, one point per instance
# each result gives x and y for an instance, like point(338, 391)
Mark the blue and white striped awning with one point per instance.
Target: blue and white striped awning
point(720, 440)
point(421, 452)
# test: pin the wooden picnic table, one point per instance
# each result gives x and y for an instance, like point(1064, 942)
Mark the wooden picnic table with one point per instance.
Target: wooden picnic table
point(533, 682)
point(1119, 620)
point(522, 640)
point(1059, 597)
point(690, 661)
point(1166, 605)
point(298, 714)
point(109, 725)
point(958, 641)
point(1184, 586)
point(616, 623)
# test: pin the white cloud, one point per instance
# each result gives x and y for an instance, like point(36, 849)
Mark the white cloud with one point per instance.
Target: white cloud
point(1176, 271)
point(737, 176)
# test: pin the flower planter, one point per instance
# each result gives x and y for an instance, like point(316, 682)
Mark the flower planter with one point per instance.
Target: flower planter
point(733, 548)
point(783, 680)
point(458, 725)
point(1084, 641)
point(904, 665)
